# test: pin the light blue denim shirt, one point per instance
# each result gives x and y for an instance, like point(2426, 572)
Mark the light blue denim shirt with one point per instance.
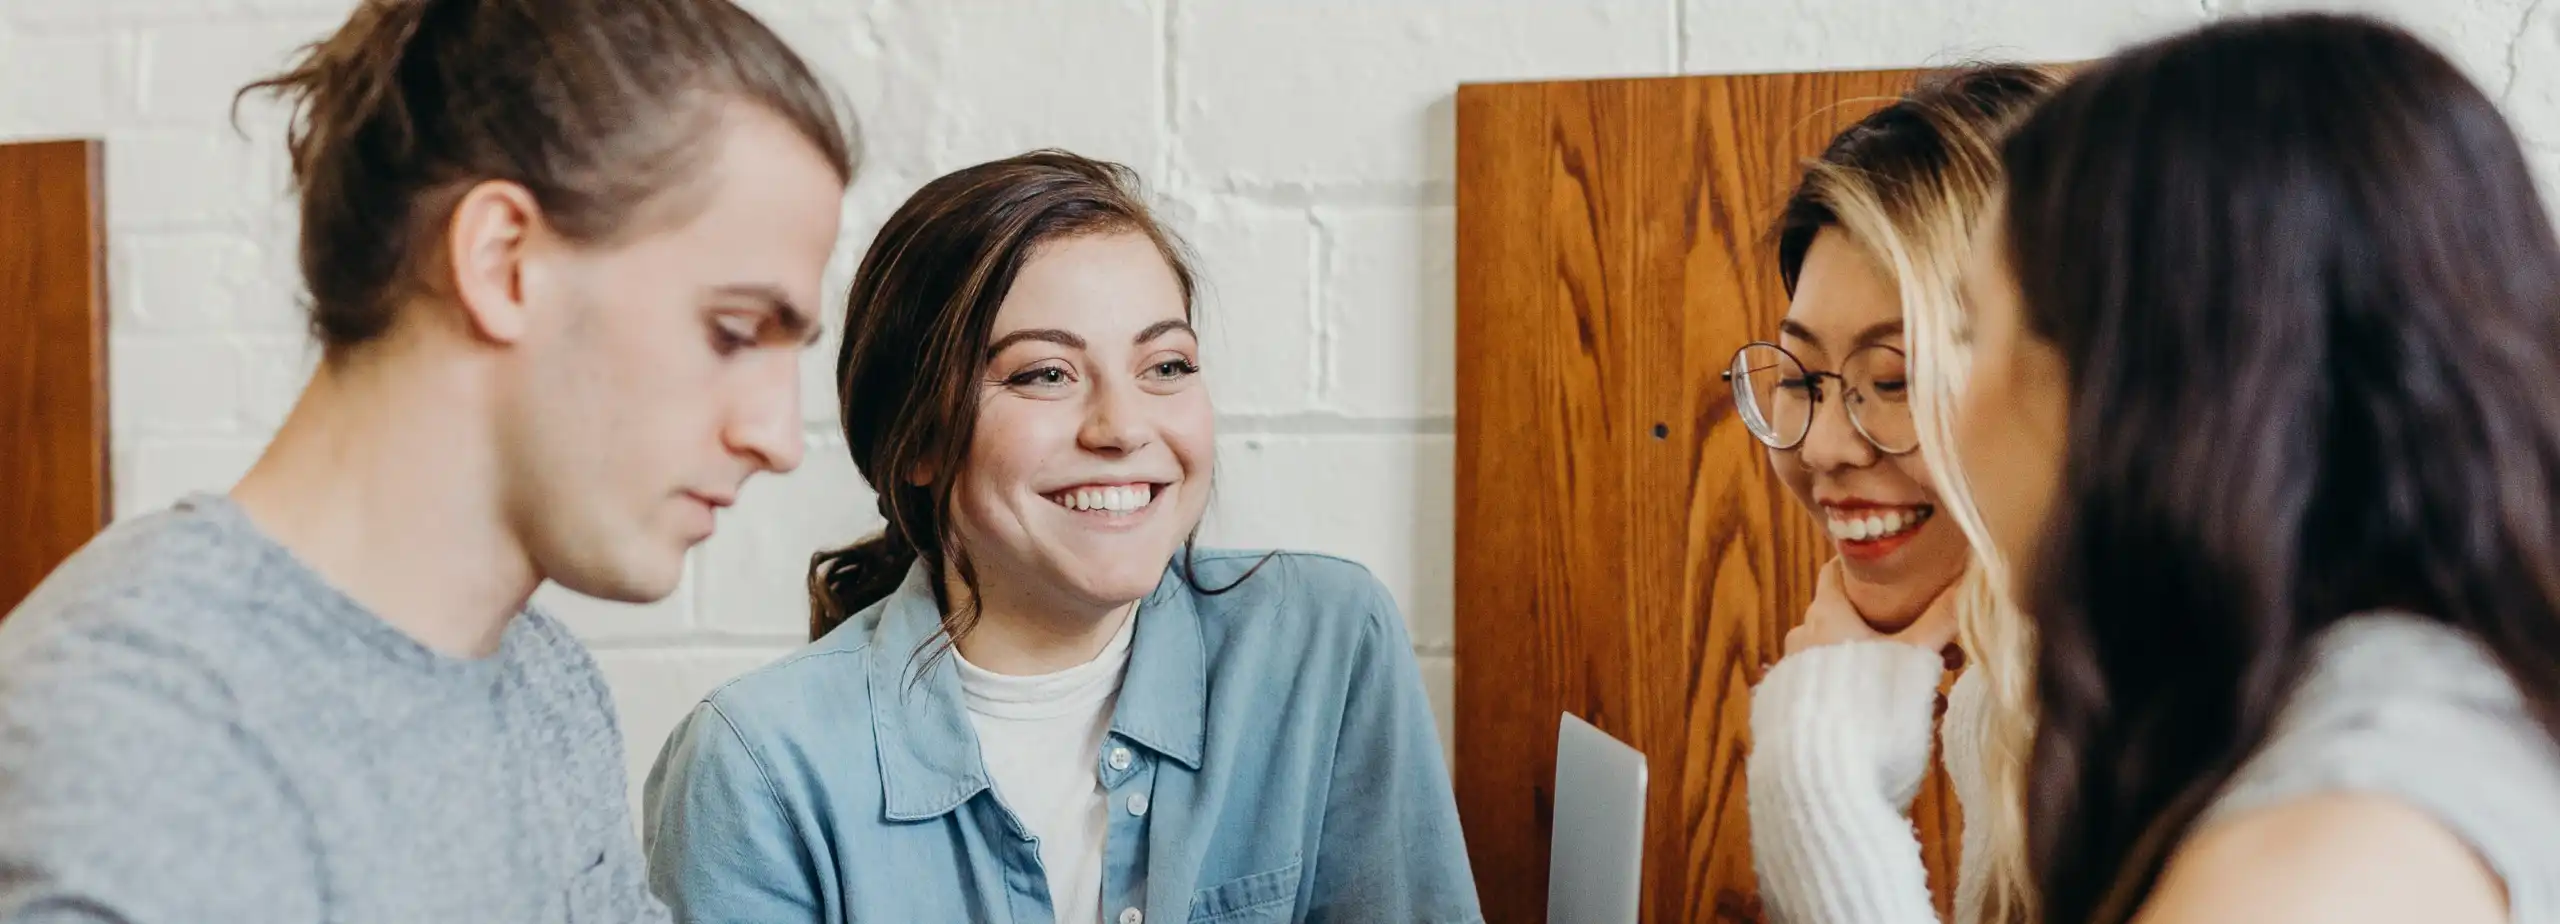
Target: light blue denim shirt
point(1279, 732)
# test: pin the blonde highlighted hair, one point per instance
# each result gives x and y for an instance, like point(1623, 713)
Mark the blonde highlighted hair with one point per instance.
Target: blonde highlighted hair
point(1907, 184)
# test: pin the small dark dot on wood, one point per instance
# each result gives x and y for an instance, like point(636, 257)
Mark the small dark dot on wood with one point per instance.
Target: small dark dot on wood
point(1661, 432)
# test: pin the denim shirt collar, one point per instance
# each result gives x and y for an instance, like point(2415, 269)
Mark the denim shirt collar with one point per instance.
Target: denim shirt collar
point(929, 757)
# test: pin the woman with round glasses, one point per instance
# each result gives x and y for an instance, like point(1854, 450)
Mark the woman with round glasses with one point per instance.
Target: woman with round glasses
point(1870, 246)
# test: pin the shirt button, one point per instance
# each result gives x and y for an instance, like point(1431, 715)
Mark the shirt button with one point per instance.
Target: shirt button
point(1138, 804)
point(1119, 758)
point(1131, 916)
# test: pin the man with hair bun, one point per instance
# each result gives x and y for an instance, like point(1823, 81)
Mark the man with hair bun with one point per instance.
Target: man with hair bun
point(562, 258)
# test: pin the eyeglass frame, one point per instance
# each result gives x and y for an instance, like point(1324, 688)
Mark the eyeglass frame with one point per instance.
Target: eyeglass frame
point(1814, 381)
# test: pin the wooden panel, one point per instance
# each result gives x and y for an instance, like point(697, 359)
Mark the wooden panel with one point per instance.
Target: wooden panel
point(53, 358)
point(1623, 550)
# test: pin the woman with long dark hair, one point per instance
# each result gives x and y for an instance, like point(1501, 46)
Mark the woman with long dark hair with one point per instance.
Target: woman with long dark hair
point(2263, 410)
point(1031, 697)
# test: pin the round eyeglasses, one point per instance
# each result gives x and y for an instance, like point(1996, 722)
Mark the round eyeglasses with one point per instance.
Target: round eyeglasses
point(1777, 396)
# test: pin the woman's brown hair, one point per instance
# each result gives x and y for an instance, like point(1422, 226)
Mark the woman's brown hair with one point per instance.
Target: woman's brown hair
point(2303, 284)
point(601, 109)
point(916, 328)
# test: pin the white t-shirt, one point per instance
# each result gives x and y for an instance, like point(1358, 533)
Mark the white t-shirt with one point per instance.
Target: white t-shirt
point(1042, 741)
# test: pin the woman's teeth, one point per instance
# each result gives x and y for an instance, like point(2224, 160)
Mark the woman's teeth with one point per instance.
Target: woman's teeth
point(1876, 523)
point(1109, 500)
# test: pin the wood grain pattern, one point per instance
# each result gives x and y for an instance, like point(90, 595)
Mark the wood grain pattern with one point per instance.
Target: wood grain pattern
point(1623, 550)
point(54, 490)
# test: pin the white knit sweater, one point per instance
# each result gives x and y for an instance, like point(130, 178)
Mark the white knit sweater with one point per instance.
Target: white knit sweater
point(1840, 742)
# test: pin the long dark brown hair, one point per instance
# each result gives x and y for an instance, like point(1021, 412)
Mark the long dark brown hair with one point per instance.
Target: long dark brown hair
point(916, 327)
point(2309, 302)
point(599, 108)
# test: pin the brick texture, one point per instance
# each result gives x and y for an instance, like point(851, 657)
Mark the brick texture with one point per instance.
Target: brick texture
point(1304, 147)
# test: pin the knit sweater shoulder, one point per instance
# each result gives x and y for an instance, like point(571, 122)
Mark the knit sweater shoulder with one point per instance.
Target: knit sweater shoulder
point(2392, 704)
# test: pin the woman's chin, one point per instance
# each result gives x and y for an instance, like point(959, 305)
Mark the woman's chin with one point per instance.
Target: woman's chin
point(1892, 590)
point(1111, 584)
point(1868, 568)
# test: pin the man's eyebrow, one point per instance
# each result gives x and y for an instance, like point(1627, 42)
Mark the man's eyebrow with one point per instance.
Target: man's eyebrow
point(793, 319)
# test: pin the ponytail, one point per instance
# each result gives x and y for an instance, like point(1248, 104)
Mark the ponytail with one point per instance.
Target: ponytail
point(844, 581)
point(597, 108)
point(354, 145)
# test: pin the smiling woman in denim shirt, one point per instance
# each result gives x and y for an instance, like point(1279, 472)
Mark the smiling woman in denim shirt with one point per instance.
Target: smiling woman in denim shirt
point(1032, 698)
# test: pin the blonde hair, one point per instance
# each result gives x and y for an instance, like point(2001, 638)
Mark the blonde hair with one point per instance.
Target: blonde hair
point(1911, 204)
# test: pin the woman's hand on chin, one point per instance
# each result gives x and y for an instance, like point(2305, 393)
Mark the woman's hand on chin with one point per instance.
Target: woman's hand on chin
point(1832, 619)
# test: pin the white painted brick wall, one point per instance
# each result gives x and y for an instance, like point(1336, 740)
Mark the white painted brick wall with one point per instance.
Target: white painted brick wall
point(944, 85)
point(753, 573)
point(1390, 311)
point(1310, 98)
point(1304, 146)
point(1743, 35)
point(1258, 310)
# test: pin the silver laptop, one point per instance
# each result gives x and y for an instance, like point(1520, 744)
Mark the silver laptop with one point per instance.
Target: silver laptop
point(1595, 865)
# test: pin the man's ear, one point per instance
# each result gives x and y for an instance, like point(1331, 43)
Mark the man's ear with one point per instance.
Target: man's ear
point(486, 239)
